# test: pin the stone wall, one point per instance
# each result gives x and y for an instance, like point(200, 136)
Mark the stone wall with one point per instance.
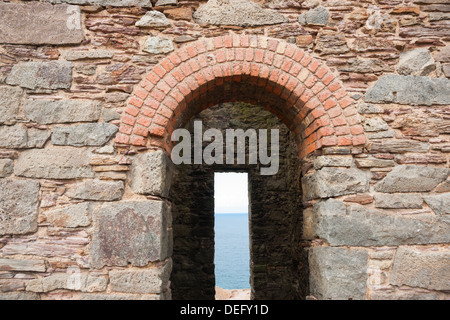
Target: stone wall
point(89, 90)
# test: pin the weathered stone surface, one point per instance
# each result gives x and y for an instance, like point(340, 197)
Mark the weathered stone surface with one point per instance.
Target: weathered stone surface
point(366, 65)
point(398, 146)
point(375, 124)
point(54, 163)
point(398, 200)
point(158, 45)
point(412, 179)
point(18, 217)
point(317, 16)
point(333, 182)
point(443, 187)
point(71, 281)
point(42, 75)
point(9, 103)
point(330, 161)
point(6, 167)
point(166, 3)
point(338, 273)
point(152, 280)
point(62, 111)
point(368, 108)
point(40, 23)
point(443, 55)
point(417, 62)
point(409, 90)
point(74, 55)
point(153, 19)
point(374, 163)
point(439, 203)
point(151, 173)
point(358, 226)
point(22, 265)
point(242, 13)
point(129, 232)
point(421, 268)
point(120, 296)
point(20, 137)
point(71, 216)
point(331, 43)
point(88, 134)
point(113, 3)
point(97, 190)
point(19, 296)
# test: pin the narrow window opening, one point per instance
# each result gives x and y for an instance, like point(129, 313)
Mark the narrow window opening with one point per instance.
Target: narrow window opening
point(232, 253)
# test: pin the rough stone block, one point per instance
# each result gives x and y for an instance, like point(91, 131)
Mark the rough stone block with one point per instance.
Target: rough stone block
point(144, 281)
point(63, 111)
point(332, 182)
point(374, 125)
point(77, 281)
point(98, 190)
point(112, 3)
point(398, 201)
point(358, 226)
point(42, 75)
point(6, 167)
point(153, 19)
point(18, 217)
point(151, 173)
point(412, 179)
point(20, 137)
point(54, 163)
point(243, 13)
point(421, 268)
point(330, 161)
point(410, 90)
point(93, 54)
point(158, 45)
point(10, 98)
point(40, 23)
point(129, 232)
point(338, 273)
point(87, 134)
point(439, 203)
point(22, 265)
point(374, 163)
point(317, 16)
point(71, 216)
point(398, 146)
point(417, 62)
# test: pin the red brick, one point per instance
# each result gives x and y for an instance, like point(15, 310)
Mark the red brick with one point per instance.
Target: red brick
point(220, 56)
point(158, 95)
point(306, 96)
point(131, 110)
point(359, 140)
point(357, 129)
point(344, 141)
point(218, 42)
point(287, 65)
point(272, 44)
point(342, 130)
point(328, 78)
point(152, 103)
point(192, 52)
point(122, 139)
point(174, 59)
point(278, 61)
point(141, 93)
point(314, 65)
point(317, 112)
point(311, 81)
point(194, 65)
point(317, 87)
point(340, 94)
point(144, 121)
point(298, 55)
point(228, 41)
point(321, 71)
point(153, 78)
point(170, 80)
point(178, 75)
point(160, 71)
point(325, 131)
point(339, 121)
point(186, 69)
point(268, 58)
point(274, 75)
point(240, 54)
point(136, 102)
point(200, 78)
point(245, 41)
point(306, 60)
point(330, 103)
point(344, 103)
point(170, 103)
point(163, 86)
point(160, 120)
point(334, 86)
point(202, 61)
point(328, 141)
point(334, 112)
point(138, 141)
point(230, 54)
point(324, 95)
point(167, 65)
point(149, 112)
point(141, 131)
point(295, 70)
point(290, 50)
point(259, 55)
point(249, 54)
point(128, 120)
point(124, 128)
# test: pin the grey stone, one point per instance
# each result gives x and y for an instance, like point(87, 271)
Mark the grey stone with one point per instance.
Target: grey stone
point(417, 62)
point(358, 226)
point(151, 173)
point(110, 114)
point(19, 296)
point(317, 16)
point(410, 90)
point(71, 216)
point(112, 3)
point(243, 13)
point(338, 273)
point(98, 190)
point(166, 3)
point(93, 54)
point(20, 137)
point(366, 65)
point(333, 182)
point(375, 124)
point(420, 268)
point(70, 281)
point(6, 167)
point(439, 203)
point(18, 217)
point(374, 163)
point(437, 16)
point(330, 161)
point(87, 134)
point(443, 187)
point(22, 265)
point(443, 55)
point(331, 43)
point(42, 75)
point(412, 179)
point(54, 163)
point(151, 280)
point(120, 296)
point(381, 135)
point(10, 98)
point(367, 108)
point(62, 111)
point(398, 200)
point(129, 232)
point(40, 23)
point(153, 19)
point(398, 146)
point(158, 45)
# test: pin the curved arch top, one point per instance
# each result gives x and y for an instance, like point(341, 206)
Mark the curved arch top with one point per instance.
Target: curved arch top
point(297, 88)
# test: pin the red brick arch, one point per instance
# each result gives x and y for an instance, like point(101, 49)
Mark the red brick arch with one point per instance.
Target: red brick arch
point(297, 88)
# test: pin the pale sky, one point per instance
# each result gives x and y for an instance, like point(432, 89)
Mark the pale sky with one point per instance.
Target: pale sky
point(231, 192)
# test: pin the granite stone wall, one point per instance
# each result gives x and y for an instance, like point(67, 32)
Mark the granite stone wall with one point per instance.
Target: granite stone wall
point(90, 91)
